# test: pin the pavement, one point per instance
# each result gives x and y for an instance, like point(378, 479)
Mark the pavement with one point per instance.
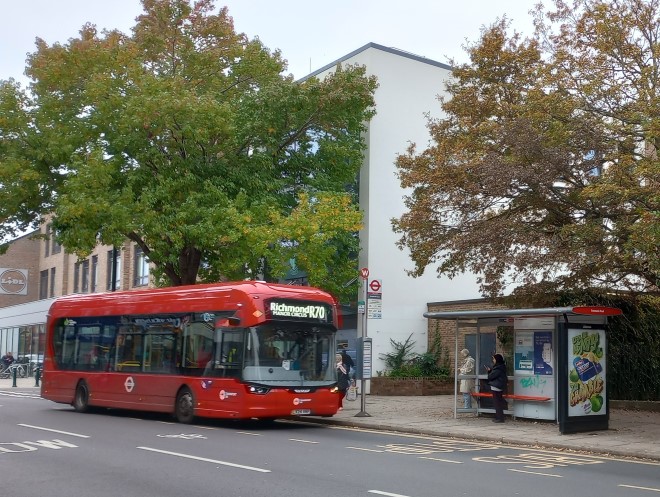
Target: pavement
point(632, 433)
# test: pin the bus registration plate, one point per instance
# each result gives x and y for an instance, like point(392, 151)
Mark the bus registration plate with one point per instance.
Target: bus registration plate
point(301, 411)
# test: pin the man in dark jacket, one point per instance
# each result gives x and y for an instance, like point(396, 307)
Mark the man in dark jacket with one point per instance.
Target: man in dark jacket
point(497, 381)
point(348, 362)
point(7, 360)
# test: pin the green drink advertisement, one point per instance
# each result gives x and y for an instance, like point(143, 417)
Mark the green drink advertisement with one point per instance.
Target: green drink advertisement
point(586, 376)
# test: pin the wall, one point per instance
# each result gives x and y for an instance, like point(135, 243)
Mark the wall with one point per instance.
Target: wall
point(408, 89)
point(22, 253)
point(445, 329)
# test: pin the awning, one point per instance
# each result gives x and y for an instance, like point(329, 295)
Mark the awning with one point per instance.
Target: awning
point(513, 313)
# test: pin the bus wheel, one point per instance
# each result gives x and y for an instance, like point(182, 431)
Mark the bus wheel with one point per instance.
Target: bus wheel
point(81, 399)
point(185, 406)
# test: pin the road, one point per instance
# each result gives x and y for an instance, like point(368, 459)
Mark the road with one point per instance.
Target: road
point(47, 449)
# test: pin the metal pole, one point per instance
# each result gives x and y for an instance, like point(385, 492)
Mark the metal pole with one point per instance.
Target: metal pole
point(456, 368)
point(363, 383)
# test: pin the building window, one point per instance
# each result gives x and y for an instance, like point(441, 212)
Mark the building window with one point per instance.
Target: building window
point(51, 292)
point(95, 273)
point(84, 287)
point(76, 277)
point(50, 244)
point(141, 274)
point(116, 262)
point(57, 248)
point(43, 284)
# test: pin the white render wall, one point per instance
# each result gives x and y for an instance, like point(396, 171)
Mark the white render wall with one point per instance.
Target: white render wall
point(408, 90)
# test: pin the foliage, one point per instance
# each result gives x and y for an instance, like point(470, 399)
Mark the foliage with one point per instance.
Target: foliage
point(186, 138)
point(544, 172)
point(402, 362)
point(401, 354)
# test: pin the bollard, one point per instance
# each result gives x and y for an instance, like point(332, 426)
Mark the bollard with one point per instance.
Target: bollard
point(14, 376)
point(37, 376)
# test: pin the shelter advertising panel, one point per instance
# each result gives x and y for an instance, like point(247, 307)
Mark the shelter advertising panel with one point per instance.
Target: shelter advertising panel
point(587, 394)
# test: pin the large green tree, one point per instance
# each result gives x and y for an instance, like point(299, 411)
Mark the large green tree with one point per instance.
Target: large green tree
point(544, 169)
point(187, 138)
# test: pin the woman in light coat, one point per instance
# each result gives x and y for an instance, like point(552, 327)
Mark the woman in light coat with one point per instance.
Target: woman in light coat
point(467, 384)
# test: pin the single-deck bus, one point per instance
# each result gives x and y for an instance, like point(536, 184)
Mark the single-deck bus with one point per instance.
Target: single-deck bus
point(229, 350)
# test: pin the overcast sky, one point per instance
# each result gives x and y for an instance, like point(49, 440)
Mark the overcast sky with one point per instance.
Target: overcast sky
point(309, 33)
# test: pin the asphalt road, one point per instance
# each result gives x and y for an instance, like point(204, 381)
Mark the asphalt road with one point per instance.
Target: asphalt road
point(47, 449)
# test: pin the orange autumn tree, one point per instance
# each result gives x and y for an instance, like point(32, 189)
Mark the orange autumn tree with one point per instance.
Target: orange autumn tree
point(543, 171)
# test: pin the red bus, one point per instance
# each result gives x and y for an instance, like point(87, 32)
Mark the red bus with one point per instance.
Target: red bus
point(230, 350)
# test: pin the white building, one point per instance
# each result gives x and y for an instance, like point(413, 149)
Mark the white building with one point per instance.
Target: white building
point(409, 86)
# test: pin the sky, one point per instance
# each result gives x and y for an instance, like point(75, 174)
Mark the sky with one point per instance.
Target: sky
point(309, 33)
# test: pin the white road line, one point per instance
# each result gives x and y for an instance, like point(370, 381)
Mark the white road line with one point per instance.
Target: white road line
point(389, 494)
point(535, 473)
point(204, 459)
point(641, 488)
point(250, 433)
point(302, 441)
point(441, 460)
point(54, 431)
point(366, 450)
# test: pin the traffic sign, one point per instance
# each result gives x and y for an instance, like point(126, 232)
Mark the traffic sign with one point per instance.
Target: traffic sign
point(375, 285)
point(364, 272)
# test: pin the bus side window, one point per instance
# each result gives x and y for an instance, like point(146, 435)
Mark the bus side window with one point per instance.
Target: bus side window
point(130, 349)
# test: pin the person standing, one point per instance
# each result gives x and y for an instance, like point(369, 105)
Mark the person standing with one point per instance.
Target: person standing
point(343, 380)
point(497, 380)
point(348, 363)
point(467, 384)
point(7, 360)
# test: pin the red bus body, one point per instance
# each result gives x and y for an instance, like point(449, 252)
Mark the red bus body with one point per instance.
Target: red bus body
point(160, 323)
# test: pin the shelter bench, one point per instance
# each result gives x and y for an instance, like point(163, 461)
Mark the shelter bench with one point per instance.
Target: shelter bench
point(530, 398)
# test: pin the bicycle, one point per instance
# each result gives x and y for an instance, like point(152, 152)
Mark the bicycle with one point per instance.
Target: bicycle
point(8, 372)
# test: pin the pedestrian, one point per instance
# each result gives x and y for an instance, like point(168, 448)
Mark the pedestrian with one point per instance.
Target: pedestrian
point(343, 381)
point(467, 384)
point(348, 363)
point(497, 380)
point(7, 360)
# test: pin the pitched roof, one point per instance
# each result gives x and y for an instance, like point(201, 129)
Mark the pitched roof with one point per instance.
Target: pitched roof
point(392, 50)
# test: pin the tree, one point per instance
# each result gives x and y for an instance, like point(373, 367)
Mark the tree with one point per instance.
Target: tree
point(544, 170)
point(187, 139)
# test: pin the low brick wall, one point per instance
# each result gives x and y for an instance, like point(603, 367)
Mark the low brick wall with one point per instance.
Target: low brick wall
point(382, 385)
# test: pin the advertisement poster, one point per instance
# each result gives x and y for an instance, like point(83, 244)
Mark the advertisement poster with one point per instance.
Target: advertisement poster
point(587, 369)
point(524, 352)
point(543, 355)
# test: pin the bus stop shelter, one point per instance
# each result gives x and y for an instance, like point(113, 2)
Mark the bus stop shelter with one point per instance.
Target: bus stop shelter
point(556, 362)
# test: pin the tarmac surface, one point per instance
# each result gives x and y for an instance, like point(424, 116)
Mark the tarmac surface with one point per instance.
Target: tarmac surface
point(632, 433)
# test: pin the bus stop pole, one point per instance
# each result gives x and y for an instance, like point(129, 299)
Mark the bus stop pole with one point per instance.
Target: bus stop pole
point(363, 382)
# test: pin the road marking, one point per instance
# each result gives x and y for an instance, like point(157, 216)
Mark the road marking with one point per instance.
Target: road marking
point(302, 441)
point(539, 461)
point(366, 450)
point(249, 433)
point(608, 458)
point(441, 460)
point(641, 488)
point(22, 395)
point(54, 431)
point(204, 459)
point(534, 473)
point(185, 436)
point(389, 494)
